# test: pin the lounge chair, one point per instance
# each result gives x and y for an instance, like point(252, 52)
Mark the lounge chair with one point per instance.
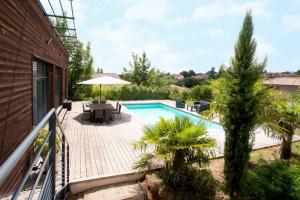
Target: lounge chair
point(118, 111)
point(202, 106)
point(180, 103)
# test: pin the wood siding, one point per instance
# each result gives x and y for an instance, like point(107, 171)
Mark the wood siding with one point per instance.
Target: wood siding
point(25, 34)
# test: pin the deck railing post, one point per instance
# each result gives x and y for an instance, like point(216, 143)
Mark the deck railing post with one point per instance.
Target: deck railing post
point(52, 146)
point(63, 165)
point(68, 164)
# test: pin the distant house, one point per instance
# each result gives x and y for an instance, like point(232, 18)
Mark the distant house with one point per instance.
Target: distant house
point(96, 75)
point(275, 74)
point(285, 84)
point(201, 76)
point(178, 76)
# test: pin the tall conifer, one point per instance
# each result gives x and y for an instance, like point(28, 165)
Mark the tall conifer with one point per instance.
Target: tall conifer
point(241, 111)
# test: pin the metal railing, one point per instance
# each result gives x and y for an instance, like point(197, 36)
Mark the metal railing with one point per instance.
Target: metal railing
point(49, 170)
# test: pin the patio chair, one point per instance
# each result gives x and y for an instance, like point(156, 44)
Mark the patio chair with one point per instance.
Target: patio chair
point(99, 115)
point(102, 101)
point(118, 111)
point(86, 112)
point(108, 115)
point(180, 103)
point(95, 102)
point(117, 106)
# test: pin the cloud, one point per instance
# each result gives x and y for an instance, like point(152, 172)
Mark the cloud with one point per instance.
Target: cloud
point(79, 9)
point(114, 43)
point(264, 48)
point(291, 22)
point(147, 10)
point(212, 32)
point(219, 9)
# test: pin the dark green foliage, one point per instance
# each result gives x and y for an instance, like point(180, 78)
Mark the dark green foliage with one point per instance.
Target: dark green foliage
point(99, 70)
point(80, 69)
point(241, 109)
point(212, 74)
point(190, 82)
point(189, 73)
point(272, 181)
point(201, 92)
point(222, 70)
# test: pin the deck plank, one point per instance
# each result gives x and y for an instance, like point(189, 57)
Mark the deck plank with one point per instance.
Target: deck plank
point(100, 149)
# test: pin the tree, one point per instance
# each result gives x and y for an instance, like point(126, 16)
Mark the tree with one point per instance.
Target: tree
point(99, 70)
point(141, 72)
point(189, 73)
point(212, 74)
point(184, 74)
point(80, 69)
point(221, 70)
point(242, 104)
point(80, 63)
point(139, 69)
point(180, 143)
point(158, 79)
point(240, 99)
point(297, 72)
point(190, 82)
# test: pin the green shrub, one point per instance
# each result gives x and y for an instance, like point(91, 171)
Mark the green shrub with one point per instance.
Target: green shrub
point(201, 92)
point(39, 141)
point(202, 184)
point(131, 92)
point(279, 180)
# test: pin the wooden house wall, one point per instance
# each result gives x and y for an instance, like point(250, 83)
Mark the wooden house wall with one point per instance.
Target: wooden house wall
point(25, 34)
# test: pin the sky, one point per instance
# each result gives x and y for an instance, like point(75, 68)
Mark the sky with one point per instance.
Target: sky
point(181, 35)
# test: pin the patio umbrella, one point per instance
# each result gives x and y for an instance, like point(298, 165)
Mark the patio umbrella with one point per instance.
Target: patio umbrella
point(104, 80)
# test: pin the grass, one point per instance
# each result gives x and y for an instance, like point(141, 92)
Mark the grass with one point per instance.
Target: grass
point(269, 154)
point(272, 153)
point(297, 131)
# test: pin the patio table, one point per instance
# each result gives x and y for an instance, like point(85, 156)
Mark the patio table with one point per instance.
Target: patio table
point(104, 107)
point(101, 106)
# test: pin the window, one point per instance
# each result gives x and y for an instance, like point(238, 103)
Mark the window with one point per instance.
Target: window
point(58, 86)
point(40, 93)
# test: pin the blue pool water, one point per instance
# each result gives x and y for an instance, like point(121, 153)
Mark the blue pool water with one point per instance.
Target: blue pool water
point(151, 113)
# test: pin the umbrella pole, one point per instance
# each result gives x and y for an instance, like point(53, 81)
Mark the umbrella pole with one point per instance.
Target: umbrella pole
point(100, 92)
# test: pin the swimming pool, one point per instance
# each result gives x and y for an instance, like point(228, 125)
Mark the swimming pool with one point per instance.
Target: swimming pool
point(151, 113)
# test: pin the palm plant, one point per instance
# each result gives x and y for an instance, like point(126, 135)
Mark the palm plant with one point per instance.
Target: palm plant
point(288, 118)
point(179, 143)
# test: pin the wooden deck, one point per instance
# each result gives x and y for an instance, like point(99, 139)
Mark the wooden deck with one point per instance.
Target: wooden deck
point(100, 149)
point(106, 149)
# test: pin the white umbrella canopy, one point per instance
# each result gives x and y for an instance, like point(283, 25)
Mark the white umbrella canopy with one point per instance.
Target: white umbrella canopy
point(104, 80)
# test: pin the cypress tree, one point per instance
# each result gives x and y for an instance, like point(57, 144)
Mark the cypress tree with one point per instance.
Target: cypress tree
point(241, 107)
